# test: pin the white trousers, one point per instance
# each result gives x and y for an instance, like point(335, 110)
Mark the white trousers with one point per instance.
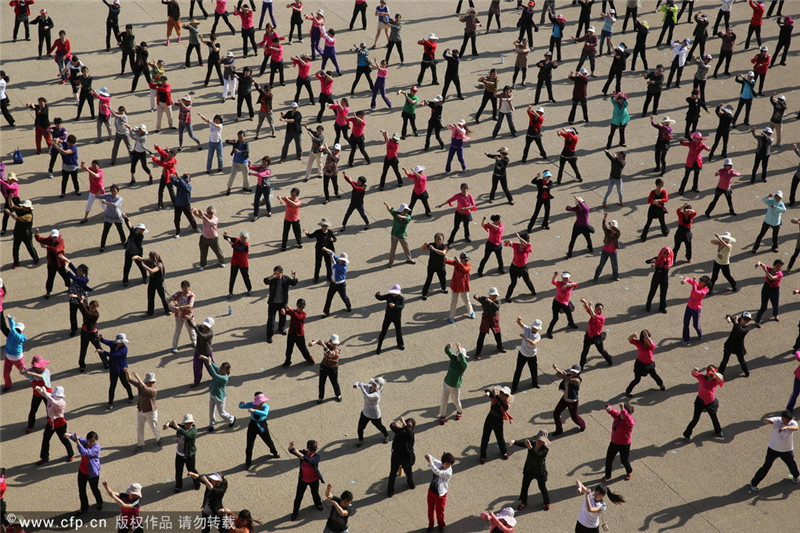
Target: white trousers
point(450, 394)
point(229, 88)
point(215, 406)
point(312, 160)
point(454, 302)
point(181, 323)
point(151, 420)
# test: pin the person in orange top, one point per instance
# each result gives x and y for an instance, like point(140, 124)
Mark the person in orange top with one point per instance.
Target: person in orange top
point(168, 163)
point(292, 217)
point(460, 285)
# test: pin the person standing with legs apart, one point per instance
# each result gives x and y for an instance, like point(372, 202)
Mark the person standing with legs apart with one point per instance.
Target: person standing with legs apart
point(570, 386)
point(527, 353)
point(403, 456)
point(341, 508)
point(581, 225)
point(296, 335)
point(776, 120)
point(654, 80)
point(595, 336)
point(437, 490)
point(726, 175)
point(771, 290)
point(772, 219)
point(55, 250)
point(356, 201)
point(420, 190)
point(39, 376)
point(519, 263)
point(279, 286)
point(218, 394)
point(117, 363)
point(535, 467)
point(465, 205)
point(395, 37)
point(146, 407)
point(428, 58)
point(781, 445)
point(621, 440)
point(451, 387)
point(534, 133)
point(258, 427)
point(185, 449)
point(706, 399)
point(494, 243)
point(338, 281)
point(615, 177)
point(213, 510)
point(393, 315)
point(239, 261)
point(589, 50)
point(471, 25)
point(568, 155)
point(645, 364)
point(722, 263)
point(561, 303)
point(662, 263)
point(580, 81)
point(746, 96)
point(501, 398)
point(329, 366)
point(545, 77)
point(459, 285)
point(371, 411)
point(734, 344)
point(764, 143)
point(490, 320)
point(694, 160)
point(459, 134)
point(401, 218)
point(324, 237)
point(56, 423)
point(309, 475)
point(182, 305)
point(693, 307)
point(784, 39)
point(89, 469)
point(756, 22)
point(437, 253)
point(544, 183)
point(683, 235)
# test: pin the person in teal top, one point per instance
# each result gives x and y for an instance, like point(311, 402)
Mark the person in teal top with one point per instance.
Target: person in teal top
point(772, 220)
point(619, 118)
point(451, 388)
point(258, 409)
point(745, 97)
point(401, 219)
point(185, 449)
point(409, 113)
point(218, 393)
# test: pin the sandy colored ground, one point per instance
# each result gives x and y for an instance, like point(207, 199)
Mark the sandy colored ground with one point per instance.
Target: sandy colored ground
point(697, 486)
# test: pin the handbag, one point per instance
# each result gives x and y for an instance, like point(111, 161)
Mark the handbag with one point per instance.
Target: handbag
point(17, 157)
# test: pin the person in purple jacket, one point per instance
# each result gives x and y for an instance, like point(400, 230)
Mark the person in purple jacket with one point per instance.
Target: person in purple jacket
point(88, 470)
point(581, 226)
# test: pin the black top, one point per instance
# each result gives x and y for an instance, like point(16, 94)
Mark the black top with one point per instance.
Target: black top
point(542, 187)
point(618, 62)
point(204, 340)
point(325, 239)
point(245, 83)
point(42, 22)
point(86, 85)
point(396, 299)
point(133, 246)
point(641, 34)
point(535, 462)
point(436, 111)
point(295, 127)
point(490, 308)
point(694, 108)
point(701, 29)
point(452, 66)
point(546, 68)
point(213, 52)
point(735, 341)
point(279, 289)
point(403, 444)
point(141, 58)
point(212, 500)
point(156, 278)
point(658, 79)
point(786, 32)
point(499, 406)
point(42, 118)
point(127, 41)
point(113, 13)
point(500, 164)
point(436, 261)
point(337, 523)
point(725, 120)
point(616, 166)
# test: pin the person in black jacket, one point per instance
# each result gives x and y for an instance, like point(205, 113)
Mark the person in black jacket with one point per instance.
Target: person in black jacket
point(133, 248)
point(402, 452)
point(394, 313)
point(437, 254)
point(294, 131)
point(500, 398)
point(764, 142)
point(545, 76)
point(543, 182)
point(735, 343)
point(535, 467)
point(278, 299)
point(642, 29)
point(453, 59)
point(45, 24)
point(695, 104)
point(140, 66)
point(310, 457)
point(700, 34)
point(617, 67)
point(784, 38)
point(435, 125)
point(499, 176)
point(127, 44)
point(325, 239)
point(725, 115)
point(112, 22)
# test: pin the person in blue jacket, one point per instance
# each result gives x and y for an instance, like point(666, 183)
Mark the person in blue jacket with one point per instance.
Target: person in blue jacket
point(117, 362)
point(258, 409)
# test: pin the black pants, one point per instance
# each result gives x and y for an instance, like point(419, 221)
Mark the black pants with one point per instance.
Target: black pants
point(152, 289)
point(786, 457)
point(558, 308)
point(573, 163)
point(324, 100)
point(533, 366)
point(6, 114)
point(425, 65)
point(502, 180)
point(726, 271)
point(329, 373)
point(720, 192)
point(597, 341)
point(698, 43)
point(359, 8)
point(235, 269)
point(213, 64)
point(548, 83)
point(624, 451)
point(655, 98)
point(26, 238)
point(396, 463)
point(583, 23)
point(106, 228)
point(314, 485)
point(111, 28)
point(540, 202)
point(362, 70)
point(139, 157)
point(93, 482)
point(140, 71)
point(763, 161)
point(180, 461)
point(555, 43)
point(793, 258)
point(52, 270)
point(127, 56)
point(639, 51)
point(468, 36)
point(747, 104)
point(408, 118)
point(516, 272)
point(421, 198)
point(580, 230)
point(493, 424)
point(613, 74)
point(87, 338)
point(355, 207)
point(488, 96)
point(295, 226)
point(722, 15)
point(357, 142)
point(291, 136)
point(695, 170)
point(392, 163)
point(272, 310)
point(489, 249)
point(613, 130)
point(726, 56)
point(246, 98)
point(667, 29)
point(764, 228)
point(721, 135)
point(304, 82)
point(441, 274)
point(750, 31)
point(769, 295)
point(575, 104)
point(699, 407)
point(526, 483)
point(85, 98)
point(36, 401)
point(299, 341)
point(390, 46)
point(200, 5)
point(25, 22)
point(584, 57)
point(126, 268)
point(224, 17)
point(726, 356)
point(526, 29)
point(639, 371)
point(276, 67)
point(62, 436)
point(630, 13)
point(793, 191)
point(388, 320)
point(675, 70)
point(460, 219)
point(186, 211)
point(44, 38)
point(113, 377)
point(249, 34)
point(683, 235)
point(319, 258)
point(530, 138)
point(334, 288)
point(658, 281)
point(326, 180)
point(261, 430)
point(783, 44)
point(65, 177)
point(296, 22)
point(363, 421)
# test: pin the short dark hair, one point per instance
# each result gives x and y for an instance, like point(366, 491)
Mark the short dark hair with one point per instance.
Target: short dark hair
point(448, 457)
point(278, 269)
point(301, 301)
point(705, 279)
point(93, 434)
point(777, 262)
point(787, 414)
point(71, 139)
point(347, 495)
point(185, 283)
point(659, 182)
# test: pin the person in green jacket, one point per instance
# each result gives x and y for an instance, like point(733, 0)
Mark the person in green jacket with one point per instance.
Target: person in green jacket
point(218, 394)
point(401, 219)
point(185, 450)
point(451, 388)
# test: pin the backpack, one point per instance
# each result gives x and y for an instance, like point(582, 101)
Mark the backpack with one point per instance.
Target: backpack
point(17, 157)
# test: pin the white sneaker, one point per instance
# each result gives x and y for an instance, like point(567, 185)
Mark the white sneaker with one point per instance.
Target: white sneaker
point(201, 268)
point(753, 489)
point(177, 237)
point(50, 175)
point(174, 350)
point(199, 230)
point(796, 480)
point(222, 265)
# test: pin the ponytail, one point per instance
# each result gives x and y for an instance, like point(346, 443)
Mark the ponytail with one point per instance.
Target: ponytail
point(614, 498)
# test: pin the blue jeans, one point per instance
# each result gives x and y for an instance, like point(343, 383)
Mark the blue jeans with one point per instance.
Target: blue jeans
point(795, 394)
point(694, 316)
point(500, 117)
point(611, 184)
point(605, 256)
point(214, 147)
point(455, 151)
point(266, 6)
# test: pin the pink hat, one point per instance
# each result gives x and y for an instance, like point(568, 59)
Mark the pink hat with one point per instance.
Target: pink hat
point(697, 135)
point(260, 398)
point(413, 88)
point(38, 362)
point(788, 20)
point(561, 18)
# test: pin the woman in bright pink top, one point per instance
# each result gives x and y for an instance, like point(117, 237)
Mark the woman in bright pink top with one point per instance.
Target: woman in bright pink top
point(621, 432)
point(645, 364)
point(340, 124)
point(519, 263)
point(248, 29)
point(561, 303)
point(771, 290)
point(96, 186)
point(329, 51)
point(317, 22)
point(303, 71)
point(103, 112)
point(726, 175)
point(706, 399)
point(694, 159)
point(465, 205)
point(325, 91)
point(292, 217)
point(391, 160)
point(380, 83)
point(789, 406)
point(357, 138)
point(420, 192)
point(694, 306)
point(494, 244)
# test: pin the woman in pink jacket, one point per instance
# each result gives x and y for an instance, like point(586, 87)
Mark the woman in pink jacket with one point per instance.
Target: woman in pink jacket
point(694, 159)
point(621, 431)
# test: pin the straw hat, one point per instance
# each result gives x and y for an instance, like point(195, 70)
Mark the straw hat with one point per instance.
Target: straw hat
point(12, 176)
point(503, 150)
point(727, 237)
point(187, 419)
point(194, 22)
point(666, 120)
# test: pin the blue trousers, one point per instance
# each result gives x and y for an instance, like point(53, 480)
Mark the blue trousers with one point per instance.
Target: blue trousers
point(692, 315)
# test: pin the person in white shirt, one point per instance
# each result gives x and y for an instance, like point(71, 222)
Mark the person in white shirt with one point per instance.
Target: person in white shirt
point(781, 445)
point(680, 50)
point(437, 490)
point(527, 353)
point(372, 408)
point(723, 13)
point(593, 504)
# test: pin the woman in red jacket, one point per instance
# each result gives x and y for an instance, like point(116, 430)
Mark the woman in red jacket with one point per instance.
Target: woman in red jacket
point(459, 285)
point(644, 365)
point(760, 66)
point(240, 261)
point(620, 443)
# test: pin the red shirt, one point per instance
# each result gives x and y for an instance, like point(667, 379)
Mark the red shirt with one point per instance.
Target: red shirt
point(429, 49)
point(292, 212)
point(707, 391)
point(341, 113)
point(564, 291)
point(359, 125)
point(420, 182)
point(622, 428)
point(570, 140)
point(276, 52)
point(758, 13)
point(644, 353)
point(61, 48)
point(495, 234)
point(695, 154)
point(697, 294)
point(521, 253)
point(325, 84)
point(240, 257)
point(725, 177)
point(55, 246)
point(778, 277)
point(662, 196)
point(464, 204)
point(297, 321)
point(247, 18)
point(392, 148)
point(303, 68)
point(307, 472)
point(460, 281)
point(596, 324)
point(685, 219)
point(83, 468)
point(761, 62)
point(535, 121)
